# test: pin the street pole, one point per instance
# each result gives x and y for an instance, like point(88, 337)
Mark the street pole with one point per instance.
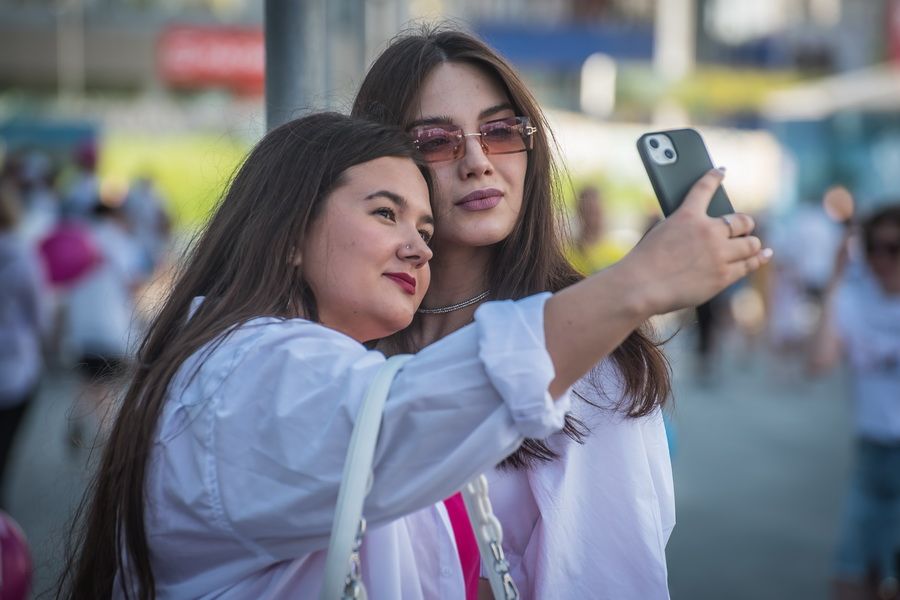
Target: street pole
point(70, 52)
point(295, 32)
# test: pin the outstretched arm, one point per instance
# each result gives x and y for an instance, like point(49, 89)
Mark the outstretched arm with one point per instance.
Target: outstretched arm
point(684, 261)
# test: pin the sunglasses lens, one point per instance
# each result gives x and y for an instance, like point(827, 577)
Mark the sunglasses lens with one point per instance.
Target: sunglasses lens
point(885, 249)
point(437, 143)
point(506, 136)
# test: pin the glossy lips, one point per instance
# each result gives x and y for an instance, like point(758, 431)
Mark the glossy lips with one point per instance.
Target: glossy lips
point(481, 199)
point(404, 281)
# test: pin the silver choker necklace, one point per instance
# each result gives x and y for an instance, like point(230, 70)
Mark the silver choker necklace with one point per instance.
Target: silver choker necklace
point(445, 309)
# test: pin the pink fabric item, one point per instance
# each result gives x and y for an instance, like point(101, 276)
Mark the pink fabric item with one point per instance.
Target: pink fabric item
point(15, 561)
point(466, 544)
point(69, 253)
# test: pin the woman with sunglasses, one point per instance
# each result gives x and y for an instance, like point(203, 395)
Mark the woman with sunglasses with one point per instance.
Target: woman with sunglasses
point(860, 323)
point(221, 472)
point(586, 513)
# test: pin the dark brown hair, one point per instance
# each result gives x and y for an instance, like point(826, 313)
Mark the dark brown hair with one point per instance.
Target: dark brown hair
point(888, 215)
point(10, 205)
point(242, 264)
point(532, 258)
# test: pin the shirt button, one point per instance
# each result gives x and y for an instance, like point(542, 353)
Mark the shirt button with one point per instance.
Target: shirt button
point(446, 572)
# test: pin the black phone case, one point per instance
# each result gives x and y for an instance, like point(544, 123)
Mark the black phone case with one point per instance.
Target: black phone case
point(672, 182)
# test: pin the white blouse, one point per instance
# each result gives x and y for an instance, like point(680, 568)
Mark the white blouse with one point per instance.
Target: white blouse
point(594, 522)
point(868, 323)
point(245, 469)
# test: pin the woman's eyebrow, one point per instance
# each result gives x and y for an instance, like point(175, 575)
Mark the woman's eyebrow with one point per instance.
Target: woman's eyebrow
point(494, 109)
point(444, 119)
point(399, 201)
point(439, 120)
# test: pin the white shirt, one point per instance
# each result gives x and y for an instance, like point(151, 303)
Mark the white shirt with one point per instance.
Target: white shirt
point(868, 322)
point(23, 320)
point(244, 472)
point(593, 523)
point(100, 312)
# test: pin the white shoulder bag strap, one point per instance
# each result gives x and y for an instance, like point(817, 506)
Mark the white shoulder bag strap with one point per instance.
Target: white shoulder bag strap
point(342, 568)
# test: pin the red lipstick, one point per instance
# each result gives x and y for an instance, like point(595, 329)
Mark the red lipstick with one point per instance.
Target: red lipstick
point(405, 281)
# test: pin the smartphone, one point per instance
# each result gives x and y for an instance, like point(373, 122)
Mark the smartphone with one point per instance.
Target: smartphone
point(674, 161)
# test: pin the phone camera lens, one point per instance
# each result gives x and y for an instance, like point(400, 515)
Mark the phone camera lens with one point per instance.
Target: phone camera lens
point(669, 154)
point(654, 143)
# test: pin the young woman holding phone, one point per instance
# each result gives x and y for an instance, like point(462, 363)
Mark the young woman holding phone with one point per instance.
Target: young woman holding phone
point(597, 498)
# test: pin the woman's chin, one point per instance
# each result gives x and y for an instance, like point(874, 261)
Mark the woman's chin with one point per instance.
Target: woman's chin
point(391, 324)
point(476, 238)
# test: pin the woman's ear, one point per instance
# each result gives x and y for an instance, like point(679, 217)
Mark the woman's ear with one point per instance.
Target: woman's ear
point(296, 259)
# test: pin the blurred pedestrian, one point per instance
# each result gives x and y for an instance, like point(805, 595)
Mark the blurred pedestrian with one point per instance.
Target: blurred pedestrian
point(593, 249)
point(148, 220)
point(83, 191)
point(39, 197)
point(860, 327)
point(805, 242)
point(98, 322)
point(22, 324)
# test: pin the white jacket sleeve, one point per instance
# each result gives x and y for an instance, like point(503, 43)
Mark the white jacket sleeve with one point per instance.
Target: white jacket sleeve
point(277, 403)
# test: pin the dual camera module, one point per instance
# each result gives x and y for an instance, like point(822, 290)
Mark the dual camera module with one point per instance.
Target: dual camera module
point(661, 149)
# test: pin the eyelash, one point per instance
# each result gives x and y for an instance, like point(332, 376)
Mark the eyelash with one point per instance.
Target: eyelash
point(389, 214)
point(386, 212)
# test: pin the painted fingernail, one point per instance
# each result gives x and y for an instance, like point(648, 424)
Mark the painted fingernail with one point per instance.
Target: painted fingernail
point(721, 169)
point(767, 253)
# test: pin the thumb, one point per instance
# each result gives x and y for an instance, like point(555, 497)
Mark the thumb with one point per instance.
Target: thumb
point(701, 193)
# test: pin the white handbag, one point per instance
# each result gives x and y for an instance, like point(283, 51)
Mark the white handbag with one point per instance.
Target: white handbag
point(343, 576)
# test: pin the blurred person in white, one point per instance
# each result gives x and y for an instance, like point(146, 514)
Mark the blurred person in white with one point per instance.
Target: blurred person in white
point(23, 322)
point(860, 326)
point(587, 512)
point(40, 200)
point(98, 321)
point(83, 191)
point(148, 220)
point(799, 276)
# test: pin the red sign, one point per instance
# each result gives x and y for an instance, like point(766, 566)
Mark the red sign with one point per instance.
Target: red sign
point(204, 57)
point(893, 23)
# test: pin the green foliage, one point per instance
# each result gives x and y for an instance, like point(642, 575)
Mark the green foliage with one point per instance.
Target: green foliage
point(190, 170)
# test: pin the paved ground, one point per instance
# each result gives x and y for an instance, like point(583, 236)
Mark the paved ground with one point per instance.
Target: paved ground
point(760, 467)
point(761, 459)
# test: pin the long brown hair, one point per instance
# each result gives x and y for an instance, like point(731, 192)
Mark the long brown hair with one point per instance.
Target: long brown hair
point(532, 258)
point(242, 264)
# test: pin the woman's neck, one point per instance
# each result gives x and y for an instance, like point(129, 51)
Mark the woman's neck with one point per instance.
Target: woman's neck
point(457, 274)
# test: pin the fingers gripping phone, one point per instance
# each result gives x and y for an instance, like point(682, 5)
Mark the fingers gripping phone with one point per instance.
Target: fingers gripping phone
point(674, 161)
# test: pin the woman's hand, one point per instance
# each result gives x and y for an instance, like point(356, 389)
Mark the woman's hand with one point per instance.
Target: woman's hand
point(690, 257)
point(683, 262)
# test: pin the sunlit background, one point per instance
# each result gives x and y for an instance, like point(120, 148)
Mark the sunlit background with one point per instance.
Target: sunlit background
point(794, 97)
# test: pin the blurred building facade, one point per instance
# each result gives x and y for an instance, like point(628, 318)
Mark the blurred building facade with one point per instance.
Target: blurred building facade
point(75, 46)
point(167, 65)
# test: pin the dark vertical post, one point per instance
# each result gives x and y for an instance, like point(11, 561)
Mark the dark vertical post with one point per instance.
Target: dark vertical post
point(288, 77)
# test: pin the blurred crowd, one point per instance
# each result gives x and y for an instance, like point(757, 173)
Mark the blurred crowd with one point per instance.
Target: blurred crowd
point(829, 299)
point(74, 255)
